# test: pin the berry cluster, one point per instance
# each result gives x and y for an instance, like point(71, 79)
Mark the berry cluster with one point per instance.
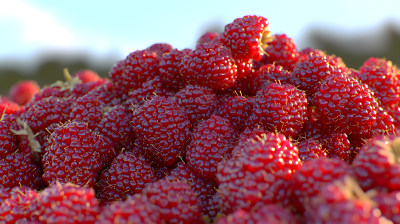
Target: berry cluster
point(244, 128)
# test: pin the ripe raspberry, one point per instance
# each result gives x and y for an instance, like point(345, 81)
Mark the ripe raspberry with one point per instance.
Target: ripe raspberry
point(75, 154)
point(389, 204)
point(376, 165)
point(236, 109)
point(247, 136)
point(198, 102)
point(115, 125)
point(176, 202)
point(208, 37)
point(345, 105)
point(44, 112)
point(7, 176)
point(210, 64)
point(258, 175)
point(382, 78)
point(153, 87)
point(87, 75)
point(23, 91)
point(279, 108)
point(71, 88)
point(343, 202)
point(211, 144)
point(268, 213)
point(204, 189)
point(27, 172)
point(9, 107)
point(138, 67)
point(169, 69)
point(246, 36)
point(128, 174)
point(310, 149)
point(309, 74)
point(336, 144)
point(106, 94)
point(8, 141)
point(161, 125)
point(267, 74)
point(281, 50)
point(87, 109)
point(18, 207)
point(307, 181)
point(160, 48)
point(135, 209)
point(67, 203)
point(244, 68)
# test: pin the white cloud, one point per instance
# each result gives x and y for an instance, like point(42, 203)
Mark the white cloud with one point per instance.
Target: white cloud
point(28, 26)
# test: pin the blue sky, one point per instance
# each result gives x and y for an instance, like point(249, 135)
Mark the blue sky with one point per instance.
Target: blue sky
point(119, 27)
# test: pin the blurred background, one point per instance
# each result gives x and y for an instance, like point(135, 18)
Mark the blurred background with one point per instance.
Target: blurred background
point(39, 38)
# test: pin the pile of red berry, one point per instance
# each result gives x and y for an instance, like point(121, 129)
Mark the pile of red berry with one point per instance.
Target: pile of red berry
point(244, 128)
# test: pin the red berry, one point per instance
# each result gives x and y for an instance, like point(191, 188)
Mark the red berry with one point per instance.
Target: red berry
point(116, 126)
point(236, 109)
point(135, 209)
point(246, 36)
point(75, 154)
point(138, 67)
point(87, 75)
point(169, 69)
point(310, 149)
point(279, 108)
point(210, 64)
point(268, 213)
point(343, 201)
point(307, 181)
point(208, 37)
point(23, 91)
point(175, 201)
point(113, 183)
point(19, 206)
point(258, 174)
point(163, 128)
point(198, 102)
point(9, 107)
point(382, 78)
point(211, 144)
point(281, 50)
point(153, 87)
point(345, 105)
point(160, 49)
point(376, 166)
point(267, 74)
point(67, 203)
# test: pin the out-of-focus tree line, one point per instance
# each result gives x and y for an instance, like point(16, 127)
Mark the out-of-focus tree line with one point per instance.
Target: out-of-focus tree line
point(354, 51)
